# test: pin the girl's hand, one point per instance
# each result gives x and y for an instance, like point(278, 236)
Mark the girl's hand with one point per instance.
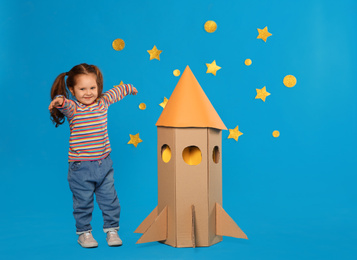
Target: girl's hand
point(135, 91)
point(57, 102)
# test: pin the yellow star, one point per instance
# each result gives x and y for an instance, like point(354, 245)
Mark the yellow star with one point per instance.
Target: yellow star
point(262, 94)
point(163, 104)
point(212, 68)
point(154, 53)
point(121, 83)
point(263, 34)
point(234, 133)
point(135, 139)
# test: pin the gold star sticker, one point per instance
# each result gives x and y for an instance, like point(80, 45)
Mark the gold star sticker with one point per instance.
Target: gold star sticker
point(234, 133)
point(263, 34)
point(262, 94)
point(212, 68)
point(135, 139)
point(121, 83)
point(154, 53)
point(163, 104)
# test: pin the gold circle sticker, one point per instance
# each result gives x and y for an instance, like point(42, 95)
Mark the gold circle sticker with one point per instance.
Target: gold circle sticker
point(289, 81)
point(142, 106)
point(176, 73)
point(248, 62)
point(276, 133)
point(210, 26)
point(118, 44)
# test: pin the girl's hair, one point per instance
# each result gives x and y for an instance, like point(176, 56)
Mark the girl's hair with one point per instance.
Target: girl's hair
point(62, 87)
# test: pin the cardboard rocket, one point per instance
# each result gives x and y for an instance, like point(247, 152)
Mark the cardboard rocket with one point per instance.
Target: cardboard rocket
point(189, 211)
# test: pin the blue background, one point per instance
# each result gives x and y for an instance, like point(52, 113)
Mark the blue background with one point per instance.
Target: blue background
point(294, 196)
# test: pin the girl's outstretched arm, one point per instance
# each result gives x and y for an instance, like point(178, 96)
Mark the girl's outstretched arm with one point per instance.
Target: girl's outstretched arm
point(66, 106)
point(117, 93)
point(57, 102)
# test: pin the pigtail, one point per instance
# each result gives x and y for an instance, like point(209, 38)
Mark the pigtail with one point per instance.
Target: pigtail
point(58, 88)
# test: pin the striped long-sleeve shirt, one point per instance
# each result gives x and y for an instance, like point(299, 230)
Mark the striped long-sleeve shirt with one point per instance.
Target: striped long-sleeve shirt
point(89, 139)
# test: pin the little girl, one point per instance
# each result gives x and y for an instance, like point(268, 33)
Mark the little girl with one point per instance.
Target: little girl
point(90, 167)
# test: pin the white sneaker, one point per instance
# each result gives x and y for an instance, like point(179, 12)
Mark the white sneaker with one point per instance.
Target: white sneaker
point(113, 239)
point(87, 240)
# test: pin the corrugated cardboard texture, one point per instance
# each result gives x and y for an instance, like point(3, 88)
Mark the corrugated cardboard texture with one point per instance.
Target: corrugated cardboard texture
point(181, 186)
point(157, 230)
point(214, 181)
point(193, 231)
point(191, 188)
point(225, 225)
point(189, 211)
point(189, 106)
point(147, 221)
point(166, 181)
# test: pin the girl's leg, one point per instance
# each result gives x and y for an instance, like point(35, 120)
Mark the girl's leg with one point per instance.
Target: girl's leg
point(107, 197)
point(82, 188)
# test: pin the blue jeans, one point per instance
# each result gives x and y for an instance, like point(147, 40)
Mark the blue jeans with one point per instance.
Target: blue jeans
point(86, 178)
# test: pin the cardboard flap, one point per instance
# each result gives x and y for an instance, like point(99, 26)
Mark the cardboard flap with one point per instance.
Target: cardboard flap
point(193, 234)
point(189, 106)
point(147, 221)
point(157, 231)
point(225, 225)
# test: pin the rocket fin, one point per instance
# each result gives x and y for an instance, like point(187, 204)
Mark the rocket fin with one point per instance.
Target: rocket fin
point(193, 230)
point(225, 225)
point(157, 230)
point(147, 221)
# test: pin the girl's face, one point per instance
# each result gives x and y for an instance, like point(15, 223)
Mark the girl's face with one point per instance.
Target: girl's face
point(86, 88)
